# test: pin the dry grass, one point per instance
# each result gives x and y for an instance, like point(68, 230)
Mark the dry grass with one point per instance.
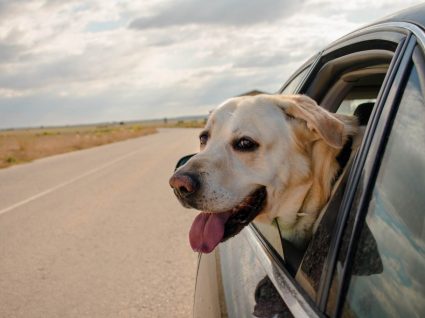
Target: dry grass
point(173, 123)
point(18, 146)
point(24, 145)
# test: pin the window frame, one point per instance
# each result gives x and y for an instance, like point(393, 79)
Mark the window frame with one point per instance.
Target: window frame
point(400, 33)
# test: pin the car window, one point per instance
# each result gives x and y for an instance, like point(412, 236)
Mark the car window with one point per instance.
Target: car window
point(349, 106)
point(360, 100)
point(388, 277)
point(293, 85)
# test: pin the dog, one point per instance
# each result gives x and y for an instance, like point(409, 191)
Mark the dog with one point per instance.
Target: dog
point(262, 157)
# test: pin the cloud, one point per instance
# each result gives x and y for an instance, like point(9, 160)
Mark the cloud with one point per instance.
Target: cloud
point(10, 52)
point(219, 12)
point(262, 60)
point(102, 60)
point(7, 7)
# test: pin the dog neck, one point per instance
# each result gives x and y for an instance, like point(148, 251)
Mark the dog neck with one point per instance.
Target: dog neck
point(303, 201)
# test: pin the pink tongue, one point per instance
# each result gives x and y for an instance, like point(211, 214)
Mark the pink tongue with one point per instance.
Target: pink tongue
point(207, 231)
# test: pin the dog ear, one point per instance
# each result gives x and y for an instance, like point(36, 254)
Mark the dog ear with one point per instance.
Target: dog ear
point(318, 119)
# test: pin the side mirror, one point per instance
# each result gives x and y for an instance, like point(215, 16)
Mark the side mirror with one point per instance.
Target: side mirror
point(183, 160)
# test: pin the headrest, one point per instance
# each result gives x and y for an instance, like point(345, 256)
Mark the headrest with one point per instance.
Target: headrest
point(363, 112)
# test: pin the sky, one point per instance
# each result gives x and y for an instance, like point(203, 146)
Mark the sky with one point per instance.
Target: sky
point(65, 62)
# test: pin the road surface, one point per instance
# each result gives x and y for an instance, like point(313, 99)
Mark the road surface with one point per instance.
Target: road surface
point(98, 233)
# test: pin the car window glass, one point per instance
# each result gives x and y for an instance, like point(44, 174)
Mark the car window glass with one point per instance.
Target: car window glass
point(388, 277)
point(293, 85)
point(349, 106)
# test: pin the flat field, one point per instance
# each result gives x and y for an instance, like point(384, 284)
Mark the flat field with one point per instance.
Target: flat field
point(25, 145)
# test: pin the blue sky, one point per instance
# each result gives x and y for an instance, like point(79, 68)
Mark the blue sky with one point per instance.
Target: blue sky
point(71, 62)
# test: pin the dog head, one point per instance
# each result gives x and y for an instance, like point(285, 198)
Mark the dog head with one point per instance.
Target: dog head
point(253, 150)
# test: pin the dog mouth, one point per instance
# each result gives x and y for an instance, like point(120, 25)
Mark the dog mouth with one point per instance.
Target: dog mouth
point(209, 229)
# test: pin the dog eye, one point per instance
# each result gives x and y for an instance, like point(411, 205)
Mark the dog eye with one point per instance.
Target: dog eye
point(203, 138)
point(245, 144)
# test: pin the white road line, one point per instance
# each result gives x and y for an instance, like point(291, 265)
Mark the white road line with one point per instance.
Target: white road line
point(61, 185)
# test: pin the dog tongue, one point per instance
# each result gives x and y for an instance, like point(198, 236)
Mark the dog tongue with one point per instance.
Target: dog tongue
point(207, 231)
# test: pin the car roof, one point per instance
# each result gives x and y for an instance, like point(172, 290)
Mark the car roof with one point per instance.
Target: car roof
point(415, 15)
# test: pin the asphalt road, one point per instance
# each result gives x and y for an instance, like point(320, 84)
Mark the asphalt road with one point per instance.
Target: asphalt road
point(98, 233)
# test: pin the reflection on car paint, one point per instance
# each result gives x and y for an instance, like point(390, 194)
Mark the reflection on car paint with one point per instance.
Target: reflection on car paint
point(245, 284)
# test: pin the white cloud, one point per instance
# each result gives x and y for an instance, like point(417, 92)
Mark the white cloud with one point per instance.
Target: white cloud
point(219, 12)
point(64, 62)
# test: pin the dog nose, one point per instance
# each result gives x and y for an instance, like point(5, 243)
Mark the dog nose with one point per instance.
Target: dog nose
point(184, 183)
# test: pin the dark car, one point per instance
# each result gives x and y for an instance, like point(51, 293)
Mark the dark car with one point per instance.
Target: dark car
point(367, 256)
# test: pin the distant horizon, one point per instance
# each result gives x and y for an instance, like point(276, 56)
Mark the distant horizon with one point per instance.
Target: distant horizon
point(256, 91)
point(117, 122)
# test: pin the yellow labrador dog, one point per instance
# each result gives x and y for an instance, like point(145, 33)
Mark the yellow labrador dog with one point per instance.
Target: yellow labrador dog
point(263, 157)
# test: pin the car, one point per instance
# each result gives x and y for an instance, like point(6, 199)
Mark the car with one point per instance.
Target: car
point(366, 258)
